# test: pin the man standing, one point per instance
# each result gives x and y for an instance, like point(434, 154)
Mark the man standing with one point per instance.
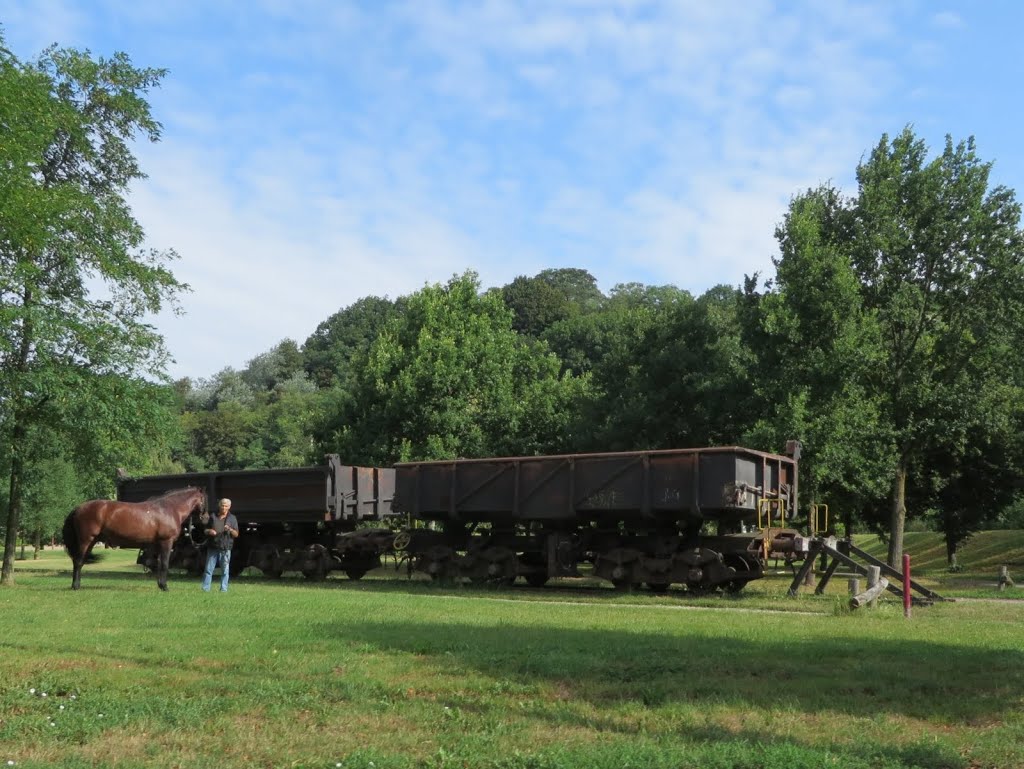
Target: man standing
point(220, 536)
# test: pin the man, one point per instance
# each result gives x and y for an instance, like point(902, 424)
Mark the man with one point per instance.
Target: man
point(220, 536)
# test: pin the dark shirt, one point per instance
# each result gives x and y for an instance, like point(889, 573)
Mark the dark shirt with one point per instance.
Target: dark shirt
point(221, 540)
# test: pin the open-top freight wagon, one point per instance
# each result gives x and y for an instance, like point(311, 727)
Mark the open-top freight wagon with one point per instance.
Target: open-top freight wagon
point(308, 519)
point(705, 518)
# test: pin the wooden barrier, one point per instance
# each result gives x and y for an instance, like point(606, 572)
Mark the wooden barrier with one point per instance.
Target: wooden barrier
point(870, 596)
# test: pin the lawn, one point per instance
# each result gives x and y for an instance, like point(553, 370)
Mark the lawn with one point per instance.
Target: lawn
point(393, 673)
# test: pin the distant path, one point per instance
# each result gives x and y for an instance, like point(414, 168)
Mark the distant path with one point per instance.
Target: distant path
point(680, 607)
point(988, 600)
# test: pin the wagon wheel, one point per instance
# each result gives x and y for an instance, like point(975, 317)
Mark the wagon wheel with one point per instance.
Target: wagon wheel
point(315, 573)
point(739, 563)
point(537, 579)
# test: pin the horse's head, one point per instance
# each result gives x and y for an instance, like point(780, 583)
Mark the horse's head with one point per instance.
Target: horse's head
point(200, 508)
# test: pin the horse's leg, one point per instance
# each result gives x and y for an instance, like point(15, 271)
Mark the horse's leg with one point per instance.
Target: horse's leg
point(163, 562)
point(79, 558)
point(76, 571)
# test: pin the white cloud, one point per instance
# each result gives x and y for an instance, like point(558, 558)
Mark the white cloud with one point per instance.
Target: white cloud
point(316, 153)
point(947, 20)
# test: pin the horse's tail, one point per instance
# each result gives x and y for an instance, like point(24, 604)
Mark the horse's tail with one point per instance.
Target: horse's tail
point(72, 543)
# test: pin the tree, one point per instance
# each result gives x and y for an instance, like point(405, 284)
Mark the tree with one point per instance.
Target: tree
point(812, 345)
point(915, 289)
point(941, 261)
point(329, 350)
point(279, 364)
point(967, 489)
point(578, 286)
point(65, 226)
point(536, 305)
point(449, 378)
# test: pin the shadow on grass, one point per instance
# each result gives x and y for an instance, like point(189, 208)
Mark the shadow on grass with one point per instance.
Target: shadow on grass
point(863, 677)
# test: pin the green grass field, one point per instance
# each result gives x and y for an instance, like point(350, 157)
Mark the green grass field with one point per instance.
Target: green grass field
point(396, 673)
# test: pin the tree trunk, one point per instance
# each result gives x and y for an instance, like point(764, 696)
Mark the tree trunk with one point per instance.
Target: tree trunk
point(19, 431)
point(951, 548)
point(13, 501)
point(898, 515)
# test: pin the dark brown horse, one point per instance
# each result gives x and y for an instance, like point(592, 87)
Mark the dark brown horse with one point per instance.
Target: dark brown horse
point(156, 521)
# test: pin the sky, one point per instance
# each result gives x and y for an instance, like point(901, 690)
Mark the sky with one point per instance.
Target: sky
point(314, 152)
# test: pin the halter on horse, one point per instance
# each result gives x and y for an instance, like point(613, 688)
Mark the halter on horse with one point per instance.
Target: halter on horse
point(156, 521)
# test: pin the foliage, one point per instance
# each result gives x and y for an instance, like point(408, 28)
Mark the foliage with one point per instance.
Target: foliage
point(588, 335)
point(279, 364)
point(684, 380)
point(329, 351)
point(262, 416)
point(70, 352)
point(811, 347)
point(897, 308)
point(449, 377)
point(536, 305)
point(578, 286)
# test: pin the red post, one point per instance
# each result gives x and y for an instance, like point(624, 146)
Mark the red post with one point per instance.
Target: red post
point(906, 585)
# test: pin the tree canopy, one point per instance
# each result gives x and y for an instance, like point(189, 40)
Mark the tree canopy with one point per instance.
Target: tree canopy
point(76, 283)
point(898, 311)
point(450, 377)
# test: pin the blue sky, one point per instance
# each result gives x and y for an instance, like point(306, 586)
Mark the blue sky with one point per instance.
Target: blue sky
point(318, 151)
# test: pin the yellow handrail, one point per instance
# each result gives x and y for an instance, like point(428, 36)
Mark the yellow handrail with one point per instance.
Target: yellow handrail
point(816, 518)
point(766, 507)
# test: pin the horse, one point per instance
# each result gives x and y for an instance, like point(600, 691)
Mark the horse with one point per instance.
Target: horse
point(156, 521)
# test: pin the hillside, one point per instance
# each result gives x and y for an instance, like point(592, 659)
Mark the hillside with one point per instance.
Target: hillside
point(982, 554)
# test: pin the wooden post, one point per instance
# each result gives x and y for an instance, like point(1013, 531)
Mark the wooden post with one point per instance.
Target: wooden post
point(809, 577)
point(854, 585)
point(906, 585)
point(869, 596)
point(874, 574)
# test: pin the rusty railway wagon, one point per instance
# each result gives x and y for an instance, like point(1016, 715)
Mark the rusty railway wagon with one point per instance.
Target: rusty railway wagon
point(309, 519)
point(705, 518)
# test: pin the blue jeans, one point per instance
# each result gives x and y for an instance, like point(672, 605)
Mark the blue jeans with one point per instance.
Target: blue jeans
point(215, 557)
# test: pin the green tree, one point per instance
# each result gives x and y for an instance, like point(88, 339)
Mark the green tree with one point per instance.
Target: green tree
point(578, 286)
point(448, 378)
point(279, 364)
point(915, 289)
point(329, 351)
point(66, 122)
point(536, 305)
point(674, 373)
point(294, 411)
point(812, 346)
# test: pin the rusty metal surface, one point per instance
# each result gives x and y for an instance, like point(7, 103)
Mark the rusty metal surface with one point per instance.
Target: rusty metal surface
point(725, 483)
point(330, 492)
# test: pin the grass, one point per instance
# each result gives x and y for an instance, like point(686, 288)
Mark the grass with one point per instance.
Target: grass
point(408, 674)
point(979, 560)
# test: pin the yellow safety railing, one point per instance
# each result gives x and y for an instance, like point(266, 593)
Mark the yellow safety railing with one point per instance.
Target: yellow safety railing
point(819, 518)
point(769, 509)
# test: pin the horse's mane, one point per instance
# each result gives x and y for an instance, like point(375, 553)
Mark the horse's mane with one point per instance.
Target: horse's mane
point(176, 492)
